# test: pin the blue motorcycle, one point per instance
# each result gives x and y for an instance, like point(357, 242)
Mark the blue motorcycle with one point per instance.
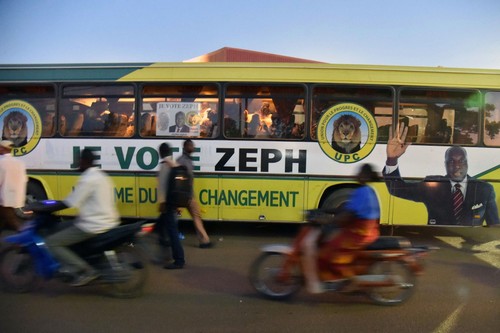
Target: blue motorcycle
point(26, 261)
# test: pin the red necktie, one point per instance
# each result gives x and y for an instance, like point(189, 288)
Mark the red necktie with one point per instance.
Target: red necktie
point(458, 202)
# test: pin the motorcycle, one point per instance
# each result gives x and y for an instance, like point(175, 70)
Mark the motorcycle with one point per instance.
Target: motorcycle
point(26, 261)
point(386, 270)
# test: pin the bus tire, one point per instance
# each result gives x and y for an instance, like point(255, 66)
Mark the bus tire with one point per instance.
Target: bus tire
point(34, 192)
point(336, 199)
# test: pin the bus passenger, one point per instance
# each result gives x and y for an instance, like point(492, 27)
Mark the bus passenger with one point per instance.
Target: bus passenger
point(231, 128)
point(94, 121)
point(282, 126)
point(145, 124)
point(130, 126)
point(266, 114)
point(208, 120)
point(48, 124)
point(254, 126)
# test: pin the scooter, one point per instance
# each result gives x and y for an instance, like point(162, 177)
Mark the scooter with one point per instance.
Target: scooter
point(386, 270)
point(26, 261)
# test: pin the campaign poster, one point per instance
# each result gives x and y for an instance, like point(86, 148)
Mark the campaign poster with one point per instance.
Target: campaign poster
point(178, 119)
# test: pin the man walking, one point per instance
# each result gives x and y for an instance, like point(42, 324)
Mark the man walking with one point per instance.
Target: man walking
point(13, 181)
point(167, 224)
point(194, 207)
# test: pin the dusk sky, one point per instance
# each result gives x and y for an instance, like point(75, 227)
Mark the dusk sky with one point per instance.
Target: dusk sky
point(449, 33)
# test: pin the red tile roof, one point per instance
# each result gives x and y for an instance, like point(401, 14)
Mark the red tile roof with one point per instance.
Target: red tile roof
point(230, 54)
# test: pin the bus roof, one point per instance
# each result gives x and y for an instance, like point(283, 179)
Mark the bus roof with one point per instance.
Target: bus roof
point(254, 72)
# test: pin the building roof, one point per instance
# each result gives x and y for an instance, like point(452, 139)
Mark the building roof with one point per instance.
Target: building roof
point(230, 54)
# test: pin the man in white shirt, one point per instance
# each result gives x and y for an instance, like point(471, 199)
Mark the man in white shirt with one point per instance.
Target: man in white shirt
point(13, 181)
point(94, 197)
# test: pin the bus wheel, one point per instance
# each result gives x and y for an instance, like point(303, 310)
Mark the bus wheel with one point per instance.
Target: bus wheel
point(34, 192)
point(336, 199)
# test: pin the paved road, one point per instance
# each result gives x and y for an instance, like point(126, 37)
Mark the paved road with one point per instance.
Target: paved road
point(459, 293)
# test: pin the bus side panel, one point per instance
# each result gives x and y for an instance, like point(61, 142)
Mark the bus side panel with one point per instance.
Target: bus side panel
point(385, 200)
point(145, 197)
point(65, 187)
point(203, 187)
point(318, 188)
point(493, 177)
point(125, 191)
point(49, 184)
point(407, 212)
point(131, 193)
point(265, 199)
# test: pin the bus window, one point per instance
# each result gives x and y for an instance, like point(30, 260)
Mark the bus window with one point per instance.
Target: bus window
point(383, 117)
point(186, 110)
point(49, 120)
point(492, 119)
point(254, 111)
point(379, 101)
point(41, 98)
point(104, 110)
point(440, 116)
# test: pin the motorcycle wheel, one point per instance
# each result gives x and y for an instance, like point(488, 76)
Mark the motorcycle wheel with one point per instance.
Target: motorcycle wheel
point(132, 260)
point(264, 276)
point(17, 270)
point(401, 290)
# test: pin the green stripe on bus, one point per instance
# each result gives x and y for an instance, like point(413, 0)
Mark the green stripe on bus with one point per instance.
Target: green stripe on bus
point(486, 172)
point(66, 73)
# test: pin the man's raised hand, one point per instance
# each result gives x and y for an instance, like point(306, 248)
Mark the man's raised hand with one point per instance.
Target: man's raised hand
point(396, 145)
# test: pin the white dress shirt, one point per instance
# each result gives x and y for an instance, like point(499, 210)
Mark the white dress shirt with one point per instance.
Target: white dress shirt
point(162, 184)
point(94, 197)
point(13, 181)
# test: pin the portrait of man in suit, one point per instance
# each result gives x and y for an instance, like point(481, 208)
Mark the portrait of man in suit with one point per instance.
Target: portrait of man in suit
point(453, 199)
point(180, 124)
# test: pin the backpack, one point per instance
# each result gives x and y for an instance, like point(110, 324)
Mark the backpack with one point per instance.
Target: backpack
point(179, 192)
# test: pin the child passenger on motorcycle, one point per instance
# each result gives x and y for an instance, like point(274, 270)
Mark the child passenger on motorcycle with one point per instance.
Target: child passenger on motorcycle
point(359, 226)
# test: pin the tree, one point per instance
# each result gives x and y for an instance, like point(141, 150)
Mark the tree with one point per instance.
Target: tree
point(488, 108)
point(492, 128)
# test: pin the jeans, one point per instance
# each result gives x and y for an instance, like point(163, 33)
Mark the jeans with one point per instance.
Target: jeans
point(58, 245)
point(168, 229)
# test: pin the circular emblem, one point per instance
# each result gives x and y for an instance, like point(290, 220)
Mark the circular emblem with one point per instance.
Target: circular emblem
point(193, 118)
point(21, 124)
point(347, 132)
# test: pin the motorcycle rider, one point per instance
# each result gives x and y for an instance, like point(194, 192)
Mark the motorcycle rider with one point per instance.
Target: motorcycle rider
point(93, 196)
point(359, 226)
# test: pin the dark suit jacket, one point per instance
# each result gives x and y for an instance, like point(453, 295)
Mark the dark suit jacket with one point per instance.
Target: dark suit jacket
point(184, 129)
point(435, 193)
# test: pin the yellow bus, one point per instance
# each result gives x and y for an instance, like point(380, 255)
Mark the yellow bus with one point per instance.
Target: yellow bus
point(272, 139)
